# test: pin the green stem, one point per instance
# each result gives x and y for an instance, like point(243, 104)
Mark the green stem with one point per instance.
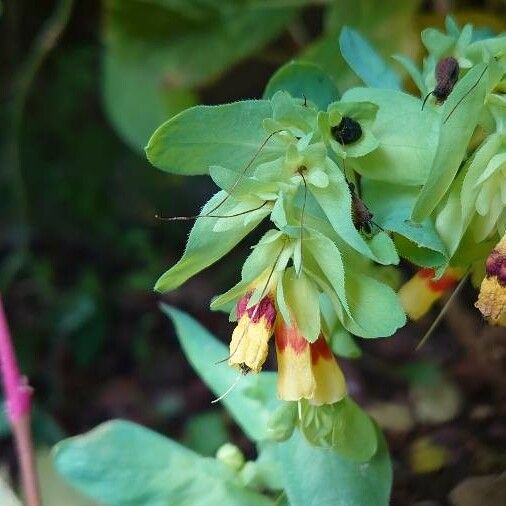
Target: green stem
point(42, 45)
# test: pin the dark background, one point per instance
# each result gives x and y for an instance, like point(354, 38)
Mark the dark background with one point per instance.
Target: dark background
point(80, 250)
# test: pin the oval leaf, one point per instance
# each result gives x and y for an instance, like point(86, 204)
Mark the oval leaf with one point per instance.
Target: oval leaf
point(304, 80)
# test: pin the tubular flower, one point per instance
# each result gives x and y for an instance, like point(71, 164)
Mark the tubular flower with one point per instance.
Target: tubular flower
point(307, 370)
point(250, 339)
point(419, 293)
point(492, 298)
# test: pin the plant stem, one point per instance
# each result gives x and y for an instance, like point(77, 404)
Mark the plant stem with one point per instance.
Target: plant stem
point(24, 448)
point(18, 402)
point(44, 42)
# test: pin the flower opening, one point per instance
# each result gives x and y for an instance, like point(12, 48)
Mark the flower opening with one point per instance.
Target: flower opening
point(250, 339)
point(307, 370)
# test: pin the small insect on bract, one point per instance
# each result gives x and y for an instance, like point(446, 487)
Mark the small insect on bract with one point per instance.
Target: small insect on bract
point(447, 75)
point(361, 216)
point(347, 132)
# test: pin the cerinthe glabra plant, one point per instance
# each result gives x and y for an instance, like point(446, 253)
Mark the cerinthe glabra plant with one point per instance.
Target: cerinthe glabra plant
point(350, 185)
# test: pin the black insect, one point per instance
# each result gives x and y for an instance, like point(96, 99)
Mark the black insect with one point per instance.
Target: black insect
point(360, 214)
point(347, 132)
point(244, 368)
point(447, 75)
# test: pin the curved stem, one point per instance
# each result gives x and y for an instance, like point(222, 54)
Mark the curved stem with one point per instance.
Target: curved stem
point(42, 45)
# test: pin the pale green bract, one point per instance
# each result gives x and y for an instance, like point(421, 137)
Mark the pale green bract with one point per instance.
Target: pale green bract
point(294, 173)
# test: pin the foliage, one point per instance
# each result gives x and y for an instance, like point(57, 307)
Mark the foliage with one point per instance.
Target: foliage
point(339, 174)
point(122, 463)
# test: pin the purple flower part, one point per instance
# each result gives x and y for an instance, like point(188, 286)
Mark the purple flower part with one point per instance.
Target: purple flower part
point(496, 261)
point(264, 309)
point(501, 275)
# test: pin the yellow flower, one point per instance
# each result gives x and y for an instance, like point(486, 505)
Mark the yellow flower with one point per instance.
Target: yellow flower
point(492, 298)
point(419, 293)
point(307, 370)
point(250, 340)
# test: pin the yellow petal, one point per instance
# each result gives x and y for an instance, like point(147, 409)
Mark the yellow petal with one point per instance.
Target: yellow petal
point(249, 344)
point(330, 381)
point(419, 293)
point(492, 299)
point(295, 375)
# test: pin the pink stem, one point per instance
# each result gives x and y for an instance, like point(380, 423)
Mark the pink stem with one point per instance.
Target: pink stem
point(18, 401)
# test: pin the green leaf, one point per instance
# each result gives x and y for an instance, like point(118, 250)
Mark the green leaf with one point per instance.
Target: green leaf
point(373, 18)
point(342, 426)
point(207, 245)
point(155, 52)
point(120, 463)
point(335, 201)
point(366, 62)
point(205, 432)
point(331, 479)
point(343, 344)
point(354, 434)
point(375, 308)
point(301, 296)
point(134, 112)
point(408, 137)
point(304, 80)
point(230, 135)
point(413, 71)
point(326, 254)
point(459, 116)
point(252, 401)
point(392, 206)
point(229, 180)
point(459, 206)
point(54, 489)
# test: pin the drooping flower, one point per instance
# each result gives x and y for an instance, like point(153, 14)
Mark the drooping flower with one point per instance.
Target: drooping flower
point(492, 298)
point(250, 339)
point(307, 370)
point(419, 293)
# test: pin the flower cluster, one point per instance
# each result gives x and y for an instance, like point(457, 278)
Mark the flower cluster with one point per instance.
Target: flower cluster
point(350, 185)
point(465, 192)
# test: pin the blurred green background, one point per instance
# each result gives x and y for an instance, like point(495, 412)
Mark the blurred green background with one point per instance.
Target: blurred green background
point(84, 85)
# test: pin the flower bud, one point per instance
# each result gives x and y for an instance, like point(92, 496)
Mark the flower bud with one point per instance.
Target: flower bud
point(419, 293)
point(282, 422)
point(230, 455)
point(492, 297)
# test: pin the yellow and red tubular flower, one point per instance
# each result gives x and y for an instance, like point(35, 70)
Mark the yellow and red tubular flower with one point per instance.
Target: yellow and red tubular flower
point(307, 370)
point(419, 293)
point(250, 340)
point(492, 298)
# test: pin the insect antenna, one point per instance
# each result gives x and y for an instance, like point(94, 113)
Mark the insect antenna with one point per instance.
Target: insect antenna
point(244, 170)
point(443, 311)
point(465, 95)
point(257, 306)
point(426, 98)
point(197, 216)
point(377, 225)
point(302, 213)
point(229, 389)
point(209, 214)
